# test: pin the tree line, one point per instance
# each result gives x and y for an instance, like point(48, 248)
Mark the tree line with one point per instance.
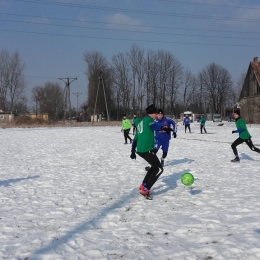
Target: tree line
point(138, 78)
point(126, 84)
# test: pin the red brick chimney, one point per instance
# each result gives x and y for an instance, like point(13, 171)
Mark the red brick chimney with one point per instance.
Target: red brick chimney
point(255, 60)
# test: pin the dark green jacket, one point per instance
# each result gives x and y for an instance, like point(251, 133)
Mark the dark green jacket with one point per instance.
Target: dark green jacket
point(144, 135)
point(202, 121)
point(136, 121)
point(242, 129)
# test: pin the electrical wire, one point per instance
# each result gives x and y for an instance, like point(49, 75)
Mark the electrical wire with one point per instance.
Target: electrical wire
point(139, 11)
point(132, 25)
point(133, 31)
point(133, 40)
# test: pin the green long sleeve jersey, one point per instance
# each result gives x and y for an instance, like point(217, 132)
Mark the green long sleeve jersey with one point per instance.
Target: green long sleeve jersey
point(145, 135)
point(242, 129)
point(202, 121)
point(126, 124)
point(136, 121)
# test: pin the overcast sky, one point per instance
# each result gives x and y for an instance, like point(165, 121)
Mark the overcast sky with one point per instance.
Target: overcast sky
point(52, 35)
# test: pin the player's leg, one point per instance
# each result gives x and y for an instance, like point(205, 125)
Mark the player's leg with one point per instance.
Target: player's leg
point(128, 130)
point(165, 148)
point(154, 172)
point(125, 136)
point(251, 145)
point(134, 129)
point(234, 145)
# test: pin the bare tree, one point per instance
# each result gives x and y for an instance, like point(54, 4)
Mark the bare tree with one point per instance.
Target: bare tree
point(165, 61)
point(217, 83)
point(174, 83)
point(98, 69)
point(132, 60)
point(136, 58)
point(12, 82)
point(189, 88)
point(17, 81)
point(4, 73)
point(20, 106)
point(152, 74)
point(49, 98)
point(140, 70)
point(121, 80)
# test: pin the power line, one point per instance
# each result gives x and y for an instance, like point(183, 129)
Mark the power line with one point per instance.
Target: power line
point(133, 40)
point(132, 25)
point(140, 11)
point(143, 32)
point(168, 1)
point(206, 4)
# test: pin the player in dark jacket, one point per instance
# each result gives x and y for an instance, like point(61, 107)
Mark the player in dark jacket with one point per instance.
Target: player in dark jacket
point(244, 136)
point(202, 124)
point(162, 138)
point(126, 126)
point(136, 120)
point(186, 123)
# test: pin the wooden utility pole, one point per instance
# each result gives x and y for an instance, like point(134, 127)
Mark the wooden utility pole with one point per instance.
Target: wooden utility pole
point(100, 80)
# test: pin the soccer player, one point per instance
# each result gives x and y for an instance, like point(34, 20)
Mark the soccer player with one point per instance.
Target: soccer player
point(244, 136)
point(126, 126)
point(162, 138)
point(202, 124)
point(186, 123)
point(143, 145)
point(136, 121)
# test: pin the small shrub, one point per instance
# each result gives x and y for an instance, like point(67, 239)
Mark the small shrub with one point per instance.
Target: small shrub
point(26, 120)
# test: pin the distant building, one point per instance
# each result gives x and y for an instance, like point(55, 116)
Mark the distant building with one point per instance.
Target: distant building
point(249, 99)
point(43, 116)
point(6, 117)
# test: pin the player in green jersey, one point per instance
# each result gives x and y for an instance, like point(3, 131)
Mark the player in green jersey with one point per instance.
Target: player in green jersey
point(244, 136)
point(143, 145)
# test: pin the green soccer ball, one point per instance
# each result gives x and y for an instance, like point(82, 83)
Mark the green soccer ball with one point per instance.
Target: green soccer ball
point(187, 179)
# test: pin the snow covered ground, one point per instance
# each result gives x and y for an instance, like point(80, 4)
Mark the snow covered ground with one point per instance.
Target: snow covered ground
point(72, 193)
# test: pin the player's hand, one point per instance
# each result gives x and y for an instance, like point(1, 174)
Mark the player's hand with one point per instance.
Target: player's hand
point(133, 155)
point(166, 129)
point(174, 135)
point(233, 131)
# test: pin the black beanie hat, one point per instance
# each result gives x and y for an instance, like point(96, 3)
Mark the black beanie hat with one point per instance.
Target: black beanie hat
point(151, 109)
point(124, 115)
point(237, 111)
point(160, 111)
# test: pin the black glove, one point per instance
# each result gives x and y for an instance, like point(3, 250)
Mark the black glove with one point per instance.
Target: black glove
point(153, 151)
point(174, 135)
point(233, 131)
point(133, 155)
point(166, 129)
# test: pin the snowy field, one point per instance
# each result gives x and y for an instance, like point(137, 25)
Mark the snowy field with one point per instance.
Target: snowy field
point(72, 193)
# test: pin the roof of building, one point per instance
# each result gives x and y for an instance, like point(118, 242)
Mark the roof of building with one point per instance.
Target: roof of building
point(255, 65)
point(5, 112)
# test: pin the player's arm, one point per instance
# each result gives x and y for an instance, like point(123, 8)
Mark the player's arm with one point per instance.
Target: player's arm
point(155, 127)
point(241, 127)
